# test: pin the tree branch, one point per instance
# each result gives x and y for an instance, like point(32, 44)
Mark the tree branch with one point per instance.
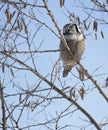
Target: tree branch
point(57, 90)
point(3, 107)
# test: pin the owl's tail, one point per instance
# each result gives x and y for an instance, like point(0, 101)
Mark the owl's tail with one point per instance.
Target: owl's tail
point(67, 69)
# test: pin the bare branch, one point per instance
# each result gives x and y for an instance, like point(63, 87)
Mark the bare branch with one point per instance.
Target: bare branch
point(57, 90)
point(3, 107)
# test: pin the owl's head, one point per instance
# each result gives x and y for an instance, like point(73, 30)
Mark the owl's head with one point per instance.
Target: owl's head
point(71, 28)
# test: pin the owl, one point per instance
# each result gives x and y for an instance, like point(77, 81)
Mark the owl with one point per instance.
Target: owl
point(76, 42)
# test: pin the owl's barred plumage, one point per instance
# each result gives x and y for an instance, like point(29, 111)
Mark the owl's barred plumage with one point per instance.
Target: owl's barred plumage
point(76, 42)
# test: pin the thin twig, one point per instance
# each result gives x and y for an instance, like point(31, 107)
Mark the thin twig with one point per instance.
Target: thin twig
point(3, 107)
point(31, 51)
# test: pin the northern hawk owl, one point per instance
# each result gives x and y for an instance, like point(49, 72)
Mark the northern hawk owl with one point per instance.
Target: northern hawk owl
point(76, 42)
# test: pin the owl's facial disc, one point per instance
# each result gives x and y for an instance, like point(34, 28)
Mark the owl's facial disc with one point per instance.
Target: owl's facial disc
point(70, 29)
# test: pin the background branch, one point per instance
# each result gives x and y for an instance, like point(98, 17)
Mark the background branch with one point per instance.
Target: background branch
point(3, 107)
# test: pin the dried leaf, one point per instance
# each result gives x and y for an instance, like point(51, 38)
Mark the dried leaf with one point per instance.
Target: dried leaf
point(15, 28)
point(106, 84)
point(20, 96)
point(7, 15)
point(78, 19)
point(88, 26)
point(85, 25)
point(102, 34)
point(62, 3)
point(4, 0)
point(72, 93)
point(12, 73)
point(95, 25)
point(13, 85)
point(25, 27)
point(3, 67)
point(13, 13)
point(10, 18)
point(82, 93)
point(6, 11)
point(24, 6)
point(95, 36)
point(18, 23)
